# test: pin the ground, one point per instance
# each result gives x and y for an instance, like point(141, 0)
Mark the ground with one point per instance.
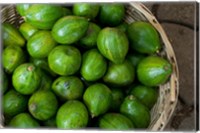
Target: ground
point(180, 22)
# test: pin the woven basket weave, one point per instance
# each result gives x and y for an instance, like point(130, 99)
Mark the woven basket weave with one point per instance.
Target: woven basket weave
point(168, 93)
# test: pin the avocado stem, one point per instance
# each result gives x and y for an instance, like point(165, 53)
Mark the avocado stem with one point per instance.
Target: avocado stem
point(33, 107)
point(131, 97)
point(30, 68)
point(92, 115)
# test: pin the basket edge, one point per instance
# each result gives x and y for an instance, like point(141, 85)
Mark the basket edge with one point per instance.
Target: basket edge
point(171, 56)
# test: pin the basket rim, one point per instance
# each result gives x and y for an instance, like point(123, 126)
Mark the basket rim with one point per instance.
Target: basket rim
point(140, 7)
point(171, 56)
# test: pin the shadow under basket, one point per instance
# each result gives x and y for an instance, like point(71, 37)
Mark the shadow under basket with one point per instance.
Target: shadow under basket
point(168, 92)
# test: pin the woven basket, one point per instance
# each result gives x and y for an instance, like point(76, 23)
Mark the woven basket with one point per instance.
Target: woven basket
point(168, 93)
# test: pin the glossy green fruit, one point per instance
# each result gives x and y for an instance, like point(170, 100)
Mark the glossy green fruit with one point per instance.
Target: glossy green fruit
point(43, 105)
point(115, 121)
point(153, 71)
point(111, 14)
point(64, 60)
point(120, 74)
point(13, 56)
point(14, 103)
point(69, 29)
point(26, 78)
point(136, 111)
point(72, 115)
point(117, 98)
point(97, 98)
point(11, 35)
point(113, 44)
point(41, 44)
point(27, 30)
point(68, 87)
point(24, 120)
point(87, 10)
point(143, 37)
point(135, 58)
point(147, 95)
point(94, 65)
point(43, 16)
point(43, 64)
point(90, 38)
point(22, 9)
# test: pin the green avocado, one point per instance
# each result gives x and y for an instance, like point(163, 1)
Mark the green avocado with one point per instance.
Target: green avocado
point(13, 56)
point(69, 29)
point(11, 35)
point(120, 74)
point(136, 111)
point(115, 121)
point(43, 16)
point(64, 60)
point(93, 66)
point(72, 115)
point(24, 120)
point(113, 44)
point(143, 37)
point(26, 78)
point(97, 98)
point(14, 103)
point(43, 105)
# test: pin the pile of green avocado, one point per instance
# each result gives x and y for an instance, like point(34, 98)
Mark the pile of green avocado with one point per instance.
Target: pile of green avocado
point(80, 66)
